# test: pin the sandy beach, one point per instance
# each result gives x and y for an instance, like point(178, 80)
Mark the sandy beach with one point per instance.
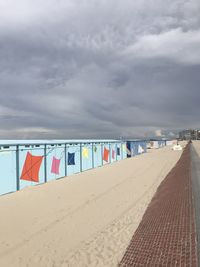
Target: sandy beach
point(86, 219)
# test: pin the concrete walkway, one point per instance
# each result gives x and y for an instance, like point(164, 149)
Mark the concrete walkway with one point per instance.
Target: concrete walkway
point(166, 235)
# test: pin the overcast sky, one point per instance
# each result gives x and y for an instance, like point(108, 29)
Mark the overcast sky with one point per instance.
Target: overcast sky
point(98, 68)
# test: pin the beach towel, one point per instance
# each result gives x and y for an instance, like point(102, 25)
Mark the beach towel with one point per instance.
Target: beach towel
point(71, 158)
point(31, 168)
point(140, 149)
point(105, 154)
point(128, 151)
point(113, 154)
point(55, 165)
point(118, 151)
point(85, 152)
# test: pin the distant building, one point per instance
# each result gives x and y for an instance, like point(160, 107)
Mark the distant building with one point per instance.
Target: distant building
point(189, 134)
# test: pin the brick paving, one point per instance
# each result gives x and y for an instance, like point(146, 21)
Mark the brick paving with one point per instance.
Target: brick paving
point(166, 235)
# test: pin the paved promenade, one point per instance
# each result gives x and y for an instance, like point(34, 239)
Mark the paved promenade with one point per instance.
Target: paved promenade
point(166, 236)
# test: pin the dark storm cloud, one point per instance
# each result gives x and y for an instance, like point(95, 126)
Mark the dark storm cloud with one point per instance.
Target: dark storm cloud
point(98, 68)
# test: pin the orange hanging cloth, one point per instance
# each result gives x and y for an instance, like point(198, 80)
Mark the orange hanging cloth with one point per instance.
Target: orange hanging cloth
point(105, 154)
point(31, 168)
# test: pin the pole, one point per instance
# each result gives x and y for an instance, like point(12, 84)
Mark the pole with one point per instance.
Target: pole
point(110, 153)
point(65, 159)
point(80, 157)
point(45, 163)
point(101, 155)
point(17, 168)
point(92, 155)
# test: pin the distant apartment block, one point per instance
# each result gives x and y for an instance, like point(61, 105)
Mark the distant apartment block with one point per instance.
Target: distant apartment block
point(189, 134)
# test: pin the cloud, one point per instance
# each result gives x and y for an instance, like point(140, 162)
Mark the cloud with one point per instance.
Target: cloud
point(176, 45)
point(91, 68)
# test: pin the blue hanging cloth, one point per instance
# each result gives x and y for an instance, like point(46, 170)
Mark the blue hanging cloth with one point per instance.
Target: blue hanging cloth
point(71, 158)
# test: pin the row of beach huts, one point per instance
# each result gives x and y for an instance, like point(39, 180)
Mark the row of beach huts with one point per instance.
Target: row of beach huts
point(35, 162)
